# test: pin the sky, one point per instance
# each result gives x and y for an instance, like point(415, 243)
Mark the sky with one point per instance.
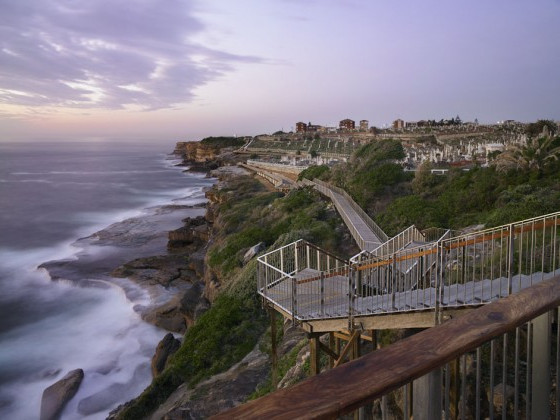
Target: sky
point(167, 70)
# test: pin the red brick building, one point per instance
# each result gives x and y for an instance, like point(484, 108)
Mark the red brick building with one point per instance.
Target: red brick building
point(301, 127)
point(347, 124)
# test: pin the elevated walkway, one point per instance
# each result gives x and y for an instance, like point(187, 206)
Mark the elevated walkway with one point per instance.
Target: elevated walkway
point(411, 280)
point(365, 231)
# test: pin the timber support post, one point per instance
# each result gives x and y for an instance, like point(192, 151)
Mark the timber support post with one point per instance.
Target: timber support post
point(314, 356)
point(273, 345)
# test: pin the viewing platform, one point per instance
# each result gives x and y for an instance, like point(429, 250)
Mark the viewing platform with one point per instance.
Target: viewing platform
point(413, 280)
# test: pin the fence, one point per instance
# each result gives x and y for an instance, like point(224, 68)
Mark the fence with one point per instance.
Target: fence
point(500, 359)
point(467, 270)
point(280, 272)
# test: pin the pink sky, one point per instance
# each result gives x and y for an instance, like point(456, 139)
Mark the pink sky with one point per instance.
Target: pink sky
point(181, 69)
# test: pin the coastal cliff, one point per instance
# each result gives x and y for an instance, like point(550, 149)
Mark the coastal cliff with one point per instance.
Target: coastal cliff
point(224, 355)
point(209, 153)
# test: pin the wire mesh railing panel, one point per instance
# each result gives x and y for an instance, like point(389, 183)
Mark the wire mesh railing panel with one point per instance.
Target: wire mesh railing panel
point(483, 266)
point(322, 295)
point(511, 376)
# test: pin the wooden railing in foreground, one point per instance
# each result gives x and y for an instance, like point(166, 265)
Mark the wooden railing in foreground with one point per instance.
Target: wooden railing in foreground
point(375, 375)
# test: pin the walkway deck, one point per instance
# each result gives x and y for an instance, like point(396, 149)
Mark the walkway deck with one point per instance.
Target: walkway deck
point(364, 230)
point(311, 304)
point(419, 280)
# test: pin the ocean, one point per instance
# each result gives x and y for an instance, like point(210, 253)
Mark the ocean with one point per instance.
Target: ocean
point(54, 197)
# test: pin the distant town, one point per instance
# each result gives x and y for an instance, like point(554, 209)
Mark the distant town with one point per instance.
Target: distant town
point(445, 144)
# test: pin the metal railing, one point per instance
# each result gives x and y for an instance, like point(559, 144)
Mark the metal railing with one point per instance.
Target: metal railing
point(467, 270)
point(397, 242)
point(502, 359)
point(331, 191)
point(483, 266)
point(279, 273)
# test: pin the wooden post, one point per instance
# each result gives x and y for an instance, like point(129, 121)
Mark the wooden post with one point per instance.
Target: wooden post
point(314, 353)
point(332, 346)
point(540, 407)
point(273, 351)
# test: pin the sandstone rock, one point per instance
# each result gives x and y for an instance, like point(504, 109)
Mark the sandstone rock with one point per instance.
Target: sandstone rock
point(58, 394)
point(163, 270)
point(297, 372)
point(190, 301)
point(254, 250)
point(167, 316)
point(166, 347)
point(194, 232)
point(499, 395)
point(218, 393)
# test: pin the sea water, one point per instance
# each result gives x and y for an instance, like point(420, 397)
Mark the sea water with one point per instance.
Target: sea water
point(51, 195)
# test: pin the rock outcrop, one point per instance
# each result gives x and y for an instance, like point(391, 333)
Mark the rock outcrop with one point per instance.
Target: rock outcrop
point(166, 347)
point(254, 250)
point(218, 393)
point(56, 396)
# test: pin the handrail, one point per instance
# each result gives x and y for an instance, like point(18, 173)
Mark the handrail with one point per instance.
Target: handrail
point(354, 384)
point(316, 248)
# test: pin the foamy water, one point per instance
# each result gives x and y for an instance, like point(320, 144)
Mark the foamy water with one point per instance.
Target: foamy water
point(51, 197)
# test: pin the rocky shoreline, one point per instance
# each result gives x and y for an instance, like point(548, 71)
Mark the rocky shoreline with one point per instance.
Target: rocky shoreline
point(173, 280)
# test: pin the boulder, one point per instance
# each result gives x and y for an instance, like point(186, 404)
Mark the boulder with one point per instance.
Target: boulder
point(58, 394)
point(166, 347)
point(167, 316)
point(254, 250)
point(500, 396)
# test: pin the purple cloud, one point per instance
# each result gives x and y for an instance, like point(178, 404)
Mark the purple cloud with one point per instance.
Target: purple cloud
point(105, 53)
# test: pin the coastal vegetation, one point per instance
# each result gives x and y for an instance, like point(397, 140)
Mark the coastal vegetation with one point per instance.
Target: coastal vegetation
point(246, 213)
point(223, 141)
point(491, 195)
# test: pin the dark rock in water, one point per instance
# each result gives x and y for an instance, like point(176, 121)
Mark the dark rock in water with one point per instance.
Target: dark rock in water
point(166, 347)
point(58, 394)
point(162, 269)
point(167, 316)
point(254, 250)
point(180, 311)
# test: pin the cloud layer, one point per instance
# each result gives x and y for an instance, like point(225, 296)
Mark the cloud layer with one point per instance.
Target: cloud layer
point(104, 53)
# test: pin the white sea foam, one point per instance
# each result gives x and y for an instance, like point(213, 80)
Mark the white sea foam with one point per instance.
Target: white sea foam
point(70, 327)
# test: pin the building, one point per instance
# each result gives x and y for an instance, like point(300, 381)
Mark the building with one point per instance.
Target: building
point(364, 125)
point(301, 127)
point(313, 128)
point(398, 124)
point(347, 124)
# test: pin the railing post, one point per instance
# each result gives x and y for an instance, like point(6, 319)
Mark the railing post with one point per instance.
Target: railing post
point(511, 251)
point(322, 285)
point(308, 257)
point(282, 260)
point(296, 265)
point(266, 272)
point(351, 295)
point(540, 392)
point(440, 272)
point(426, 399)
point(294, 300)
point(393, 278)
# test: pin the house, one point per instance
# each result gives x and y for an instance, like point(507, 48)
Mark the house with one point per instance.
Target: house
point(347, 124)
